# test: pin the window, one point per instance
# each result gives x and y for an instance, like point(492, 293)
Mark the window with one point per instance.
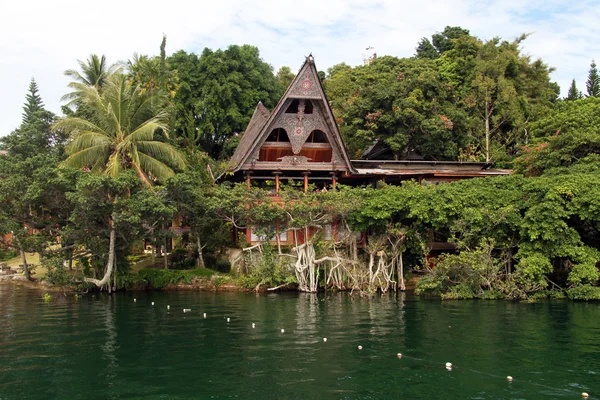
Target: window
point(344, 234)
point(317, 136)
point(278, 135)
point(308, 107)
point(297, 104)
point(328, 232)
point(293, 107)
point(269, 231)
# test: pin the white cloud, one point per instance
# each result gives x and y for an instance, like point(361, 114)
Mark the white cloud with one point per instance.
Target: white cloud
point(44, 38)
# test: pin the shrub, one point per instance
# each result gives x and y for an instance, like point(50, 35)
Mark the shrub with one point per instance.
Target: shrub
point(58, 276)
point(159, 278)
point(186, 263)
point(248, 281)
point(584, 292)
point(459, 292)
point(222, 265)
point(429, 284)
point(131, 282)
point(6, 254)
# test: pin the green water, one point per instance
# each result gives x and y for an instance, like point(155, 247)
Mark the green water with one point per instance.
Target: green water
point(110, 347)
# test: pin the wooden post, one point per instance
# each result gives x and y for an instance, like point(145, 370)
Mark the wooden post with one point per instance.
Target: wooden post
point(333, 181)
point(248, 180)
point(306, 181)
point(277, 181)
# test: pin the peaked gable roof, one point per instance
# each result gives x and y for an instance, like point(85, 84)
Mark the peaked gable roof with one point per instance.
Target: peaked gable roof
point(306, 85)
point(257, 123)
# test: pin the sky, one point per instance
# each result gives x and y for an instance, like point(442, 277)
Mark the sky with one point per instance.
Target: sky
point(42, 38)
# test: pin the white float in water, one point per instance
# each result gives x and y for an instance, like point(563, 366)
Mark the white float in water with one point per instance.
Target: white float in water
point(187, 309)
point(134, 300)
point(283, 331)
point(448, 365)
point(399, 355)
point(324, 339)
point(509, 378)
point(168, 307)
point(253, 325)
point(204, 315)
point(360, 347)
point(585, 395)
point(152, 303)
point(228, 319)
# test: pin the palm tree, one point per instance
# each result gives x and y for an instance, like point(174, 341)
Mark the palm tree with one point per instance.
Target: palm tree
point(120, 135)
point(94, 71)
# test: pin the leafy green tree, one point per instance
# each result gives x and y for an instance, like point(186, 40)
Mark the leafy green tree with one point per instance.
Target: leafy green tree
point(574, 93)
point(153, 211)
point(443, 41)
point(494, 96)
point(593, 82)
point(32, 191)
point(194, 195)
point(102, 207)
point(217, 94)
point(426, 50)
point(567, 135)
point(285, 76)
point(404, 102)
point(33, 102)
point(34, 205)
point(508, 90)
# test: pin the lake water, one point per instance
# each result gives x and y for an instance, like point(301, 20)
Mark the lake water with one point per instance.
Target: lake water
point(110, 347)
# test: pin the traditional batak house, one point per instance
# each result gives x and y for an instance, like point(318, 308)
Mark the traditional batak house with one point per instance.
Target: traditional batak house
point(299, 141)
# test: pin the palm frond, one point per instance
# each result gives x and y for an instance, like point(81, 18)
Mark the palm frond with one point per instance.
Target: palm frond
point(113, 166)
point(88, 157)
point(154, 167)
point(143, 108)
point(146, 130)
point(77, 126)
point(88, 139)
point(162, 151)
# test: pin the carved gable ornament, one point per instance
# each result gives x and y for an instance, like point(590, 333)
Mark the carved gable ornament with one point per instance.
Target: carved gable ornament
point(306, 86)
point(299, 126)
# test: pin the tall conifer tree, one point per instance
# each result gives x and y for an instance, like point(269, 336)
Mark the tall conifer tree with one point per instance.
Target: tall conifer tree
point(33, 102)
point(593, 81)
point(573, 93)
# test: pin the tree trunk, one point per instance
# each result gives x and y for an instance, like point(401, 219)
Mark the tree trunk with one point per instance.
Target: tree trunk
point(111, 260)
point(487, 132)
point(153, 253)
point(25, 266)
point(23, 259)
point(200, 260)
point(166, 259)
point(401, 274)
point(115, 275)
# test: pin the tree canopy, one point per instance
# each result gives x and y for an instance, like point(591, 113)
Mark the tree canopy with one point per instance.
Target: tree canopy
point(218, 92)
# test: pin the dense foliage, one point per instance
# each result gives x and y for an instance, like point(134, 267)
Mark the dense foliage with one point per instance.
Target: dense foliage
point(459, 98)
point(136, 155)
